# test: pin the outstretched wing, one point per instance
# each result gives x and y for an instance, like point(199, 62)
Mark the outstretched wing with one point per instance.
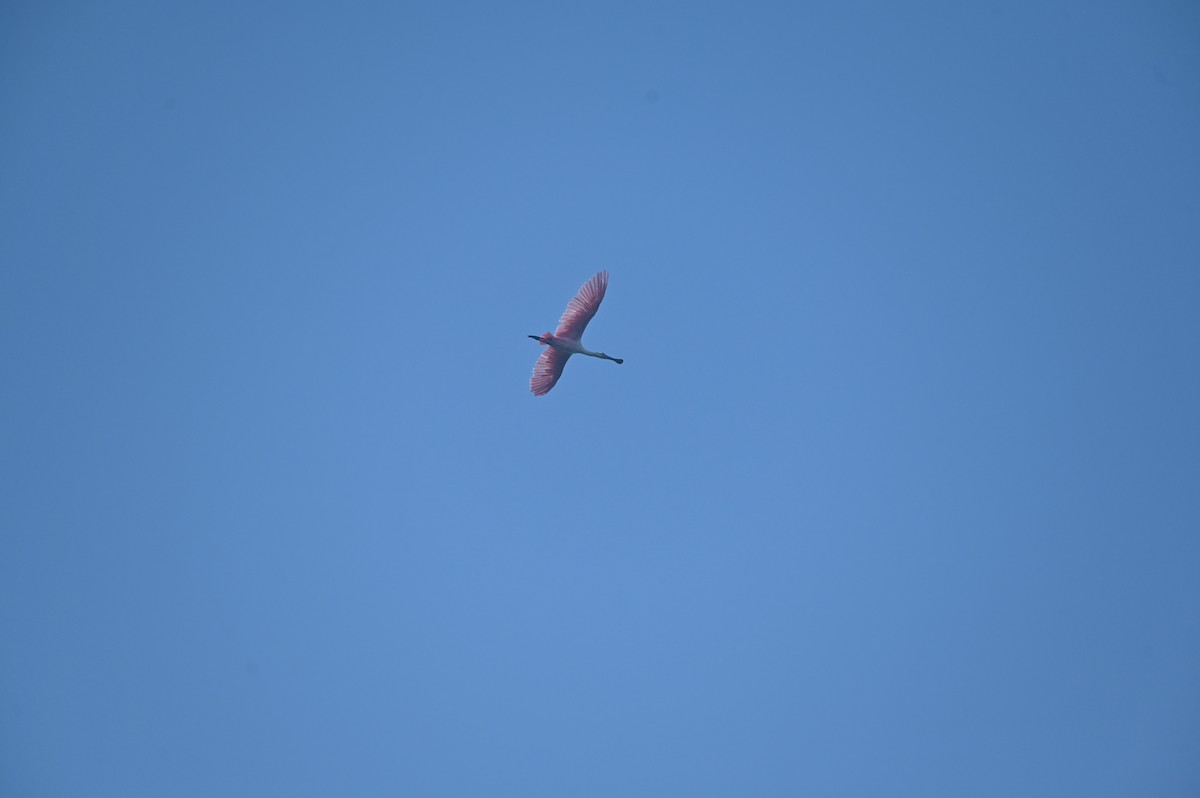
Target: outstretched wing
point(547, 370)
point(582, 307)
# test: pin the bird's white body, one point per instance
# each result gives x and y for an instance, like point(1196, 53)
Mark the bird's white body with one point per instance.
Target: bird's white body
point(571, 346)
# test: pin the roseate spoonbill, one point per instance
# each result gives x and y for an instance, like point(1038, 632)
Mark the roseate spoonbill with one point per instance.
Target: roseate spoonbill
point(565, 341)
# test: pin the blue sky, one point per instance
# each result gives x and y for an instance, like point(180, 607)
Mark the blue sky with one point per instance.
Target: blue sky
point(895, 494)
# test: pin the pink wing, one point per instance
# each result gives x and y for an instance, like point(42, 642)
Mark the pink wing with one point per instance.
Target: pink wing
point(582, 307)
point(547, 370)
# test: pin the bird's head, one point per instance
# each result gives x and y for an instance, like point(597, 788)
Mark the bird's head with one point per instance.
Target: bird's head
point(543, 339)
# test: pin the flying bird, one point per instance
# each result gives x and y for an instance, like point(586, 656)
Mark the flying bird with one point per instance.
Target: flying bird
point(565, 341)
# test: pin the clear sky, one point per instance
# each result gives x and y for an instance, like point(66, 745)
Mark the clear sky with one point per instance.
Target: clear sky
point(897, 492)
